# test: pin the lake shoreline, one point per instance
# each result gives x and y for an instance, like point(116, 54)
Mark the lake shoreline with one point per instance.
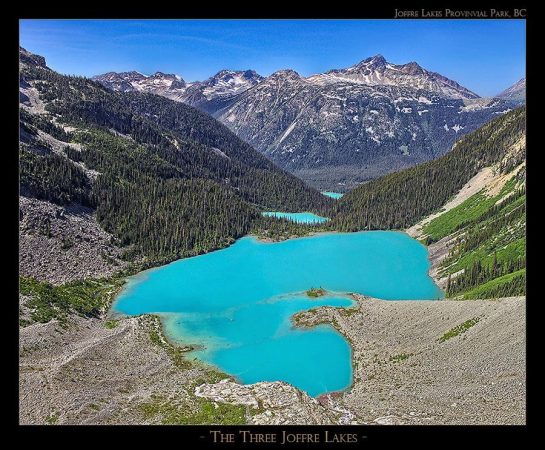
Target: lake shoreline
point(40, 349)
point(196, 349)
point(221, 296)
point(488, 361)
point(409, 360)
point(300, 218)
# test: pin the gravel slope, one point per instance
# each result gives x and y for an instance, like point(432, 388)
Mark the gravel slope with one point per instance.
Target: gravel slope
point(404, 375)
point(89, 373)
point(60, 244)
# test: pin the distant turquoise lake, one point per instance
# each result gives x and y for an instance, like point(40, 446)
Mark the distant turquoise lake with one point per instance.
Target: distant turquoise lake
point(335, 195)
point(235, 304)
point(301, 217)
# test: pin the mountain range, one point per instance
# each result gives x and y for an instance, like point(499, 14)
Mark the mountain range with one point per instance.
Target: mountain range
point(224, 83)
point(339, 128)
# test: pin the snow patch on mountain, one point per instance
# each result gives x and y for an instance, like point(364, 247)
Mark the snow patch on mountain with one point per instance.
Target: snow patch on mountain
point(457, 128)
point(287, 132)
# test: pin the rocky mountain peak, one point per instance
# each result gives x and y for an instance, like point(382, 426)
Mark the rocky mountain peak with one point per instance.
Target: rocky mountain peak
point(133, 75)
point(178, 83)
point(412, 68)
point(236, 76)
point(285, 74)
point(223, 84)
point(251, 74)
point(374, 62)
point(167, 84)
point(168, 80)
point(376, 71)
point(164, 76)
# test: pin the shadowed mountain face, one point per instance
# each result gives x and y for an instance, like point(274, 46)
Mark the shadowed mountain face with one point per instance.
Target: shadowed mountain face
point(344, 126)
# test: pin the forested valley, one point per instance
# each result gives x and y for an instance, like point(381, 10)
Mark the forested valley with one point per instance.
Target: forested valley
point(165, 179)
point(168, 181)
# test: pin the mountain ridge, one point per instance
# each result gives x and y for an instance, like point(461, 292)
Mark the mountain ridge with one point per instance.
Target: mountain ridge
point(515, 93)
point(364, 68)
point(376, 70)
point(347, 126)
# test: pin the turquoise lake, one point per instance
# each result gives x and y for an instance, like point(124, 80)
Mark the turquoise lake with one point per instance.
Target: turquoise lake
point(235, 304)
point(335, 195)
point(302, 217)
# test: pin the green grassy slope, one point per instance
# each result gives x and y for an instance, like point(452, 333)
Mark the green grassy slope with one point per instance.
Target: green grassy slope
point(489, 243)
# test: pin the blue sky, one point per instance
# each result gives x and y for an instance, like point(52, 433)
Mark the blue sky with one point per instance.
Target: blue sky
point(485, 56)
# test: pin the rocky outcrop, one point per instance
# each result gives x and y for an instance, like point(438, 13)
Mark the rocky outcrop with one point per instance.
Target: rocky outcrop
point(273, 403)
point(63, 243)
point(26, 57)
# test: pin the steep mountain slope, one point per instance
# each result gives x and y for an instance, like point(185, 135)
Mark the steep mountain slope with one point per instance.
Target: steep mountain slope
point(162, 178)
point(479, 247)
point(346, 126)
point(401, 199)
point(516, 93)
point(468, 205)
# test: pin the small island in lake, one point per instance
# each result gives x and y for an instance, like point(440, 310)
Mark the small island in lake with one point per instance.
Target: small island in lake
point(316, 292)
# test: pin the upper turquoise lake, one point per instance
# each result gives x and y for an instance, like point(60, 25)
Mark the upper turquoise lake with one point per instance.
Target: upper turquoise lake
point(335, 195)
point(235, 304)
point(300, 217)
